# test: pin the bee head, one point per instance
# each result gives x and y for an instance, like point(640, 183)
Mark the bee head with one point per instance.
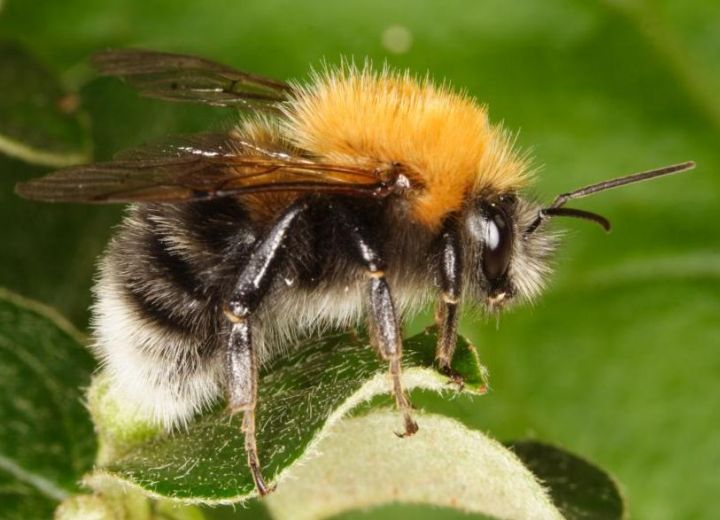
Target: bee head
point(506, 262)
point(510, 247)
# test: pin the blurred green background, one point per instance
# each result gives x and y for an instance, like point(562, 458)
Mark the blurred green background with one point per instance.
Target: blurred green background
point(619, 360)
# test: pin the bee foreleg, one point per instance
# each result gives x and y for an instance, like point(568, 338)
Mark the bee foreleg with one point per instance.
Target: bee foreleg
point(252, 285)
point(384, 326)
point(450, 276)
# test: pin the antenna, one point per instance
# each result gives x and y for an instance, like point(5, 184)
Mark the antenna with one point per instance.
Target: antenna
point(556, 208)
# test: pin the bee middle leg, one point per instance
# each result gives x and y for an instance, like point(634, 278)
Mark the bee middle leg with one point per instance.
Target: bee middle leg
point(450, 270)
point(241, 359)
point(385, 331)
point(387, 338)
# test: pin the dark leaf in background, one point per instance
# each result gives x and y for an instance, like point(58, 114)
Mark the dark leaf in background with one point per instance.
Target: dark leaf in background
point(21, 500)
point(579, 489)
point(46, 441)
point(40, 122)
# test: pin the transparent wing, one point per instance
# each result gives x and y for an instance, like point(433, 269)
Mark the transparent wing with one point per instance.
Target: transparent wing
point(202, 166)
point(179, 77)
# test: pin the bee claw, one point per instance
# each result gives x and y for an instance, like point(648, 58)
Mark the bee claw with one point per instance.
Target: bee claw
point(411, 428)
point(262, 488)
point(454, 377)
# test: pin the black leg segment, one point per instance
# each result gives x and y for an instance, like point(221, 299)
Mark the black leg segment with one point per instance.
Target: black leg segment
point(241, 359)
point(242, 390)
point(384, 326)
point(450, 271)
point(256, 276)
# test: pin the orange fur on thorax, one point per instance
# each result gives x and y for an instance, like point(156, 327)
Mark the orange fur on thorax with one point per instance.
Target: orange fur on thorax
point(442, 139)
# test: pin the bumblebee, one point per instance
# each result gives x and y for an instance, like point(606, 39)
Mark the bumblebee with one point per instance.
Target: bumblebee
point(359, 195)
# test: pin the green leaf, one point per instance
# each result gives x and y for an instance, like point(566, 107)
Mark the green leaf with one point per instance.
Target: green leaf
point(361, 464)
point(578, 488)
point(301, 396)
point(329, 466)
point(123, 504)
point(46, 438)
point(325, 463)
point(39, 121)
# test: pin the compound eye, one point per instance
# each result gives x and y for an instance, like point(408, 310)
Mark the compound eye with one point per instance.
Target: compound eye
point(498, 241)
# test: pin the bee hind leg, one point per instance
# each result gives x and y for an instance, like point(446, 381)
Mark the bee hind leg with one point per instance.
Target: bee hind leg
point(241, 359)
point(242, 390)
point(387, 338)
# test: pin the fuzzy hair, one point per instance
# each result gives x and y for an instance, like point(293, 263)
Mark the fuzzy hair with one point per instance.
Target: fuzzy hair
point(443, 138)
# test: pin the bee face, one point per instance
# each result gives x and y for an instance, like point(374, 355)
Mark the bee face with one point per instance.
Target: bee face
point(509, 259)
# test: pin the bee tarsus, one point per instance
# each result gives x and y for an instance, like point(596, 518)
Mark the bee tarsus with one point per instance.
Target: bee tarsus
point(248, 428)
